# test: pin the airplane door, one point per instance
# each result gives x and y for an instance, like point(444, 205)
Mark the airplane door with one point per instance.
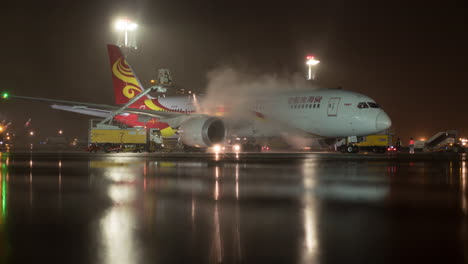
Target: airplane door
point(333, 106)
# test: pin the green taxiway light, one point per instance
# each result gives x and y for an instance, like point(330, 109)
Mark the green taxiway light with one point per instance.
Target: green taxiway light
point(5, 95)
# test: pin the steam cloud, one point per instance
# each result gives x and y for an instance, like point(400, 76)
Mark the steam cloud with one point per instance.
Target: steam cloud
point(239, 91)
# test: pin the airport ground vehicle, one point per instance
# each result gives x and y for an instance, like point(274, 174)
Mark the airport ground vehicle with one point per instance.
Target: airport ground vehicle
point(378, 143)
point(392, 149)
point(445, 141)
point(111, 138)
point(375, 143)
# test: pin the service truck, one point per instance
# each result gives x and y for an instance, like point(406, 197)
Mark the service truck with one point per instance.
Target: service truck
point(371, 143)
point(375, 143)
point(116, 139)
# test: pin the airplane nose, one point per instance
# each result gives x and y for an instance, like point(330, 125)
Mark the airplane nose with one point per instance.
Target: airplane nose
point(382, 121)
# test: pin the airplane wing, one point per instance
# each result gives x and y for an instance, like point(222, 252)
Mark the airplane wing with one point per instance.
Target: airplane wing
point(100, 110)
point(83, 110)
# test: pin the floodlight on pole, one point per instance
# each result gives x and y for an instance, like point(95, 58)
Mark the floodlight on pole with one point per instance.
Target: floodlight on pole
point(126, 26)
point(311, 62)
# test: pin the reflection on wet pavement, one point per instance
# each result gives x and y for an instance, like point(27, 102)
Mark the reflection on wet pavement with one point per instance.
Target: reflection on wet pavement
point(72, 208)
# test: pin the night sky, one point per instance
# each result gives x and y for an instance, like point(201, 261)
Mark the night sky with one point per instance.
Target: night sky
point(410, 58)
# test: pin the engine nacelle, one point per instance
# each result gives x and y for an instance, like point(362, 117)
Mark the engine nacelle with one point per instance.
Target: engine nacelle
point(202, 131)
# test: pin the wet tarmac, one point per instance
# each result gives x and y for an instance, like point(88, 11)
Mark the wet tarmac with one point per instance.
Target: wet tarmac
point(250, 208)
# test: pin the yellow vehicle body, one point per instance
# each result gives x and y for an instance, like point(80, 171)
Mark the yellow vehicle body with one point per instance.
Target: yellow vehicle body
point(118, 136)
point(376, 141)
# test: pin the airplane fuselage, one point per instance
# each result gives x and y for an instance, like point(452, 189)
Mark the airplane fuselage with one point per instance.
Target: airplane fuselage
point(320, 112)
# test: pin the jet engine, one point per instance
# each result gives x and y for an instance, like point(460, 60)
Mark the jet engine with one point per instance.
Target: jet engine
point(202, 131)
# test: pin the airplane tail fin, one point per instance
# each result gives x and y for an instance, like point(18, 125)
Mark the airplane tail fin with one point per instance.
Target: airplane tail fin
point(126, 83)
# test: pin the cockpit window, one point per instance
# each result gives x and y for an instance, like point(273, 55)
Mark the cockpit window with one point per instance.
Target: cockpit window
point(362, 105)
point(373, 105)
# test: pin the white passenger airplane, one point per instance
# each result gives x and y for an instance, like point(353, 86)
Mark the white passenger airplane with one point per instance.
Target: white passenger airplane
point(321, 113)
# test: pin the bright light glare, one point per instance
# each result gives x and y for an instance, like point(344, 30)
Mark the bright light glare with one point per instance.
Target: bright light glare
point(125, 24)
point(311, 61)
point(236, 148)
point(132, 26)
point(120, 25)
point(217, 148)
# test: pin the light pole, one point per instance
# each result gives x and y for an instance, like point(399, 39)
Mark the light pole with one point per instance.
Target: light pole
point(311, 62)
point(127, 27)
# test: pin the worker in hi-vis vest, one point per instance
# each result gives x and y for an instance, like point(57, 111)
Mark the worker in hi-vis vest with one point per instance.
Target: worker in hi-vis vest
point(411, 146)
